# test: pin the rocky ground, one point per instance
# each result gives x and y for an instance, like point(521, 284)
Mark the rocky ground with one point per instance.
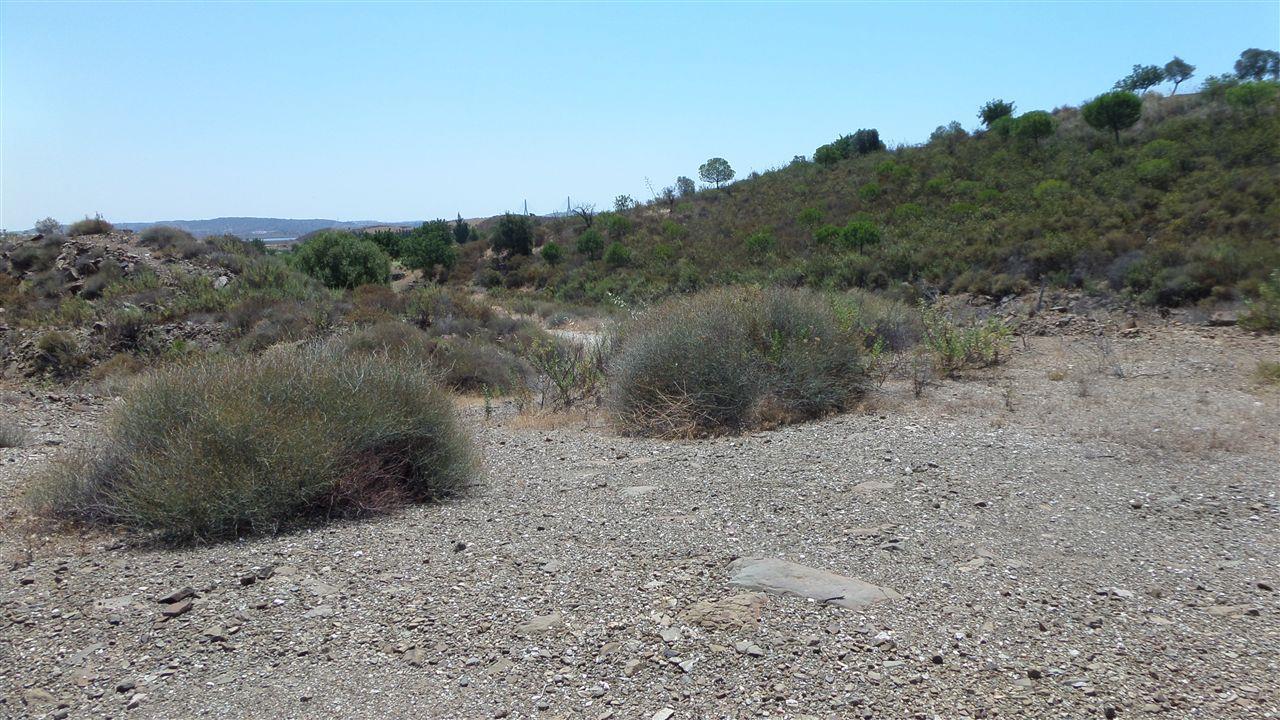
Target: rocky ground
point(1091, 531)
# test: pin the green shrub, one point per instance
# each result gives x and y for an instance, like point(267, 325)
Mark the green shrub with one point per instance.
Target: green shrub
point(827, 235)
point(956, 348)
point(342, 260)
point(617, 255)
point(1263, 314)
point(732, 359)
point(869, 191)
point(1157, 172)
point(90, 226)
point(590, 243)
point(760, 243)
point(1051, 189)
point(552, 253)
point(228, 446)
point(809, 218)
point(1252, 95)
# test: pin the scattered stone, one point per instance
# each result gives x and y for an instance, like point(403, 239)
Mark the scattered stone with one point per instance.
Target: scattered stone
point(746, 647)
point(135, 701)
point(664, 714)
point(671, 635)
point(176, 609)
point(788, 578)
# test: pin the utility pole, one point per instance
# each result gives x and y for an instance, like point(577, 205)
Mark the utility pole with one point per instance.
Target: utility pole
point(526, 208)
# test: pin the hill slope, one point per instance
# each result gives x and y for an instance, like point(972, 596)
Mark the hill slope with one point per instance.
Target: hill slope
point(1184, 208)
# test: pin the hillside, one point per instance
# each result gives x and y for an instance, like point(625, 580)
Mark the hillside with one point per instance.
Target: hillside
point(1182, 210)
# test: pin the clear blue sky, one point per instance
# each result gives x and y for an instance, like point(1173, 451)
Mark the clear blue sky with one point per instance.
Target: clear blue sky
point(401, 111)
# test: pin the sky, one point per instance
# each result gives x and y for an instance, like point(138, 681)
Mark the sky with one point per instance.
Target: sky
point(399, 111)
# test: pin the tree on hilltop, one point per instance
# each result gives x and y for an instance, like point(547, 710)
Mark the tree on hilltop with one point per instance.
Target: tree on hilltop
point(1178, 71)
point(716, 171)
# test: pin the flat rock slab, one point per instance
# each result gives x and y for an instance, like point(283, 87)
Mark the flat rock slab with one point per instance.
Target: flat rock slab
point(635, 491)
point(788, 578)
point(872, 486)
point(735, 611)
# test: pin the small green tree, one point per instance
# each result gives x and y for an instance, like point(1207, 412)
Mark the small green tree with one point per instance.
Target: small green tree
point(430, 248)
point(552, 253)
point(341, 260)
point(716, 171)
point(858, 234)
point(993, 110)
point(590, 244)
point(685, 186)
point(617, 255)
point(1257, 64)
point(1115, 111)
point(461, 230)
point(1141, 79)
point(1178, 71)
point(1034, 126)
point(513, 234)
point(623, 203)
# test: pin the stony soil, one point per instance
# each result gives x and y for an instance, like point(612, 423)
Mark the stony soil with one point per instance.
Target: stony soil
point(1091, 531)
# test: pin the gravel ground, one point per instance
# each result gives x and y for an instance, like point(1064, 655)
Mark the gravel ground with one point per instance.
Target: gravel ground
point(1089, 532)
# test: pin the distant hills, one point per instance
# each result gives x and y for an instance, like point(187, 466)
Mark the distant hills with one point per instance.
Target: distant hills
point(258, 227)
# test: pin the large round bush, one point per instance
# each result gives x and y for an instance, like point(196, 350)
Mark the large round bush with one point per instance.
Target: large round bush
point(734, 359)
point(342, 260)
point(231, 446)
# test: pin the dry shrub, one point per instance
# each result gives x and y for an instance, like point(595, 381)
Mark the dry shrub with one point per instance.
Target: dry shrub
point(227, 446)
point(59, 354)
point(90, 226)
point(371, 303)
point(734, 359)
point(12, 435)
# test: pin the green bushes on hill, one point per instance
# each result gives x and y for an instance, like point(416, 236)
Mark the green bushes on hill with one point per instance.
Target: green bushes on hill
point(224, 447)
point(1184, 209)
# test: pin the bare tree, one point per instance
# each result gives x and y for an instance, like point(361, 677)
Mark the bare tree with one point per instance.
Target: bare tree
point(587, 212)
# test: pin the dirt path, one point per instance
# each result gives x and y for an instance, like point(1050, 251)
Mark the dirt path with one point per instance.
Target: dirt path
point(1070, 541)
